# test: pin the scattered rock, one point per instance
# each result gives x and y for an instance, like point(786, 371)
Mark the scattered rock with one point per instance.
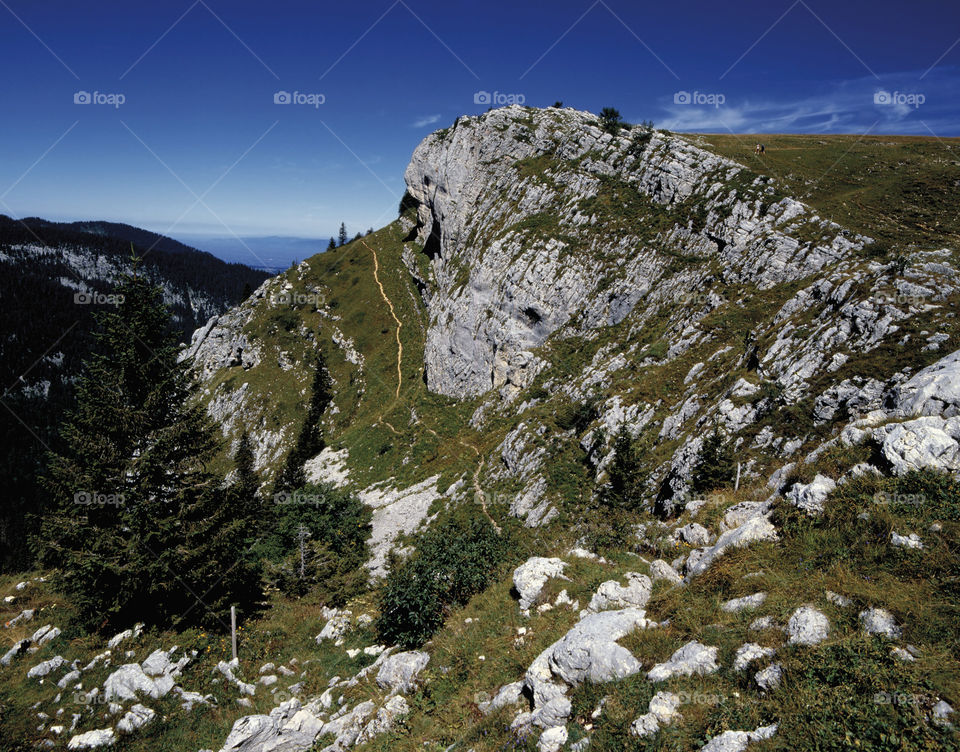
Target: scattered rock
point(692, 658)
point(755, 529)
point(661, 570)
point(42, 669)
point(553, 739)
point(93, 739)
point(811, 497)
point(769, 678)
point(740, 604)
point(612, 595)
point(137, 717)
point(661, 712)
point(807, 626)
point(838, 600)
point(879, 621)
point(906, 541)
point(749, 653)
point(737, 741)
point(530, 577)
point(398, 672)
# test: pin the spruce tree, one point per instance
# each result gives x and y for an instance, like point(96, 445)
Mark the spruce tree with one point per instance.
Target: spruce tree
point(332, 244)
point(310, 439)
point(134, 477)
point(623, 490)
point(343, 233)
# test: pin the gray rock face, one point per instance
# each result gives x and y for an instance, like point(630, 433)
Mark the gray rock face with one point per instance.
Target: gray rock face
point(810, 497)
point(807, 626)
point(738, 741)
point(530, 577)
point(288, 728)
point(588, 652)
point(695, 534)
point(472, 197)
point(692, 658)
point(879, 621)
point(612, 595)
point(398, 672)
point(928, 442)
point(933, 391)
point(393, 709)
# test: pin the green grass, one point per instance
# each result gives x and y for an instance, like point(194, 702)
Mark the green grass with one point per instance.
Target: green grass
point(901, 190)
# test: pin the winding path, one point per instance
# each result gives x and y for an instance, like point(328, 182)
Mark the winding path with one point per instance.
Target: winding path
point(376, 277)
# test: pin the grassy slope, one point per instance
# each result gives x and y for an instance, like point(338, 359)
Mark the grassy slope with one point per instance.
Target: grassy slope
point(898, 189)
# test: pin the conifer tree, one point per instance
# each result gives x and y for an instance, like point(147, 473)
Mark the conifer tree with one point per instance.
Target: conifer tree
point(332, 244)
point(623, 489)
point(343, 233)
point(134, 477)
point(310, 439)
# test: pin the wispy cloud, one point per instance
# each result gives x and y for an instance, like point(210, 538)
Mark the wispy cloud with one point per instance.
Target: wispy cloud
point(898, 103)
point(425, 121)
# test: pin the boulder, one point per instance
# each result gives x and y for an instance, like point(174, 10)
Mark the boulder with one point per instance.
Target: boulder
point(737, 741)
point(612, 595)
point(18, 649)
point(749, 653)
point(137, 717)
point(530, 577)
point(922, 443)
point(42, 669)
point(694, 534)
point(553, 739)
point(661, 570)
point(769, 678)
point(661, 712)
point(93, 739)
point(385, 719)
point(741, 604)
point(755, 529)
point(129, 681)
point(807, 626)
point(810, 497)
point(879, 621)
point(692, 658)
point(933, 391)
point(398, 672)
point(905, 541)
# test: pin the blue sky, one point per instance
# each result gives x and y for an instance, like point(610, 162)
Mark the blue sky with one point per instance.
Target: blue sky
point(198, 144)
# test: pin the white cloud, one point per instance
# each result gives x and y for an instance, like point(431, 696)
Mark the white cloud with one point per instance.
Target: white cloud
point(425, 121)
point(852, 106)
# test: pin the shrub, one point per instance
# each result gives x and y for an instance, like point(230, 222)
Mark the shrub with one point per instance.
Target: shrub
point(610, 120)
point(452, 563)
